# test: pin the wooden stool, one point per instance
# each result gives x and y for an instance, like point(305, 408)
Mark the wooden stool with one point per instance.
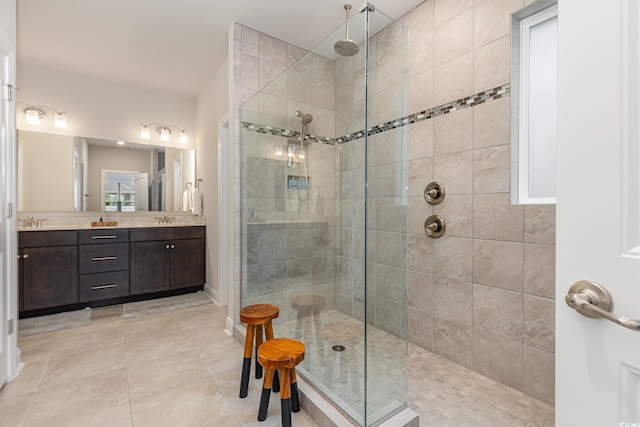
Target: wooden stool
point(282, 354)
point(257, 317)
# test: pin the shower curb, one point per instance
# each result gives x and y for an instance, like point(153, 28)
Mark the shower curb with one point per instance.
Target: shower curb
point(324, 412)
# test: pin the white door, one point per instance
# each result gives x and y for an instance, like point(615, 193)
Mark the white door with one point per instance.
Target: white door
point(598, 212)
point(5, 225)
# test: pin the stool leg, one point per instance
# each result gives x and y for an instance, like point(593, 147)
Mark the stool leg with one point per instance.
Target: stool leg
point(268, 329)
point(266, 393)
point(258, 342)
point(276, 383)
point(246, 363)
point(295, 400)
point(285, 397)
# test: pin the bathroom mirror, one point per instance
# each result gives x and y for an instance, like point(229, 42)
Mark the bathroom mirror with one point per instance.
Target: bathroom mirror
point(61, 173)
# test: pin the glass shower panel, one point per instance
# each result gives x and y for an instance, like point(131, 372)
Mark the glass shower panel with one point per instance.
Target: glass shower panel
point(309, 180)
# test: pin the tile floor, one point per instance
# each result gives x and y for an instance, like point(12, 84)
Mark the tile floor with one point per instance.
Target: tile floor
point(180, 369)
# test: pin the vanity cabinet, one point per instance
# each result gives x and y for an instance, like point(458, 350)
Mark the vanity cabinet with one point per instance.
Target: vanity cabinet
point(63, 270)
point(166, 258)
point(103, 264)
point(48, 269)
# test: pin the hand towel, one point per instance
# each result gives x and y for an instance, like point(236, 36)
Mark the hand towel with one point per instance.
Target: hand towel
point(197, 202)
point(186, 201)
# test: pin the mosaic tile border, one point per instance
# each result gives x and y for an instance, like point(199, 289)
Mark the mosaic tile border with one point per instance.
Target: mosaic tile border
point(460, 104)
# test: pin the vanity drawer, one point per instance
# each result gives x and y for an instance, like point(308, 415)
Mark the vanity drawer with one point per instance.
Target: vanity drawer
point(167, 233)
point(93, 237)
point(37, 239)
point(101, 258)
point(99, 286)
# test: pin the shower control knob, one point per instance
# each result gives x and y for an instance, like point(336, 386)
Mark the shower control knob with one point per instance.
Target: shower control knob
point(434, 226)
point(434, 193)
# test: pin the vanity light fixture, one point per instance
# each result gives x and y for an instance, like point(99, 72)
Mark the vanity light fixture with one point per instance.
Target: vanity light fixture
point(164, 131)
point(34, 113)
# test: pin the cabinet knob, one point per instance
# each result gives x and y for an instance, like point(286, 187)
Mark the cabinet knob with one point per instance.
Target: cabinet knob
point(19, 256)
point(25, 256)
point(167, 246)
point(173, 246)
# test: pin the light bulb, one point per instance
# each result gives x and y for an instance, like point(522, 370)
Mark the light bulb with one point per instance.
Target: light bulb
point(60, 121)
point(184, 137)
point(165, 134)
point(32, 116)
point(145, 133)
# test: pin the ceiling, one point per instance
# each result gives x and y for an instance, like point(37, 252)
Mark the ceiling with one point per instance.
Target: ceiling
point(171, 46)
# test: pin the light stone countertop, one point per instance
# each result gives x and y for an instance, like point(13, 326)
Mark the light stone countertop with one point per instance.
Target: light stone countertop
point(124, 225)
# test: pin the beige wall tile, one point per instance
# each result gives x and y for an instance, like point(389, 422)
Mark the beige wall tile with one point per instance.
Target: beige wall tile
point(237, 58)
point(323, 96)
point(447, 9)
point(250, 72)
point(268, 72)
point(388, 248)
point(420, 253)
point(498, 311)
point(453, 341)
point(453, 80)
point(420, 291)
point(420, 174)
point(491, 169)
point(495, 218)
point(491, 123)
point(539, 374)
point(457, 211)
point(272, 50)
point(421, 54)
point(294, 54)
point(452, 300)
point(390, 104)
point(390, 317)
point(387, 212)
point(420, 328)
point(453, 38)
point(498, 358)
point(323, 69)
point(421, 139)
point(540, 224)
point(493, 19)
point(419, 210)
point(419, 20)
point(388, 72)
point(453, 132)
point(391, 283)
point(492, 66)
point(498, 264)
point(453, 258)
point(249, 41)
point(539, 270)
point(539, 322)
point(421, 92)
point(393, 146)
point(455, 172)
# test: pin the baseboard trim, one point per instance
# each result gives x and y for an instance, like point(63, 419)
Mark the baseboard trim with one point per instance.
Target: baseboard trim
point(212, 292)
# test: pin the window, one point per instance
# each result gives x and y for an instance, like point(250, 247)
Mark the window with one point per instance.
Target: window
point(119, 192)
point(534, 104)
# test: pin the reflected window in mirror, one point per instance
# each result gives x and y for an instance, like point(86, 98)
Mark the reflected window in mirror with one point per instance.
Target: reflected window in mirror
point(533, 103)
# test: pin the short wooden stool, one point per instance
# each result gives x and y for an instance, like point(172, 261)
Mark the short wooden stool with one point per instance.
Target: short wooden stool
point(257, 317)
point(282, 354)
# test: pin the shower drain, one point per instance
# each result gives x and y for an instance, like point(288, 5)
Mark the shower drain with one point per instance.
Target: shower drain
point(337, 348)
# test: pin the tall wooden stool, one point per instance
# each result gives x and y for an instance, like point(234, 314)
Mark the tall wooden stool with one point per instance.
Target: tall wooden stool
point(282, 354)
point(257, 317)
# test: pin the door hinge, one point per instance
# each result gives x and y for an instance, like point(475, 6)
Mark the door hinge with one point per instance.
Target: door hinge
point(9, 210)
point(7, 92)
point(9, 326)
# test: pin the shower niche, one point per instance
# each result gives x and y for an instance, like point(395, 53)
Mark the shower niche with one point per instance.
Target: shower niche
point(337, 240)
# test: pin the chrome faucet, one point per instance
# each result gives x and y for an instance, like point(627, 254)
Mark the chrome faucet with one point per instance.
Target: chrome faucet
point(32, 222)
point(165, 219)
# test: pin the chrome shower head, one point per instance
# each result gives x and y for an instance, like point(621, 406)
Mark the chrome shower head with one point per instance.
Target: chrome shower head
point(306, 118)
point(346, 47)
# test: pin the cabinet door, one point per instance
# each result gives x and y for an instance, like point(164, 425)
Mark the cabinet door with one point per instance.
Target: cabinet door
point(150, 263)
point(49, 276)
point(187, 263)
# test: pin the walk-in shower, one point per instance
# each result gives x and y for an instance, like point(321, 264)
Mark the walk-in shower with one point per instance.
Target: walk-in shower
point(324, 208)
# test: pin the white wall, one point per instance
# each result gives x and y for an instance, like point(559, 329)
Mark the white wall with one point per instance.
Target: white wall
point(101, 109)
point(212, 104)
point(46, 172)
point(8, 20)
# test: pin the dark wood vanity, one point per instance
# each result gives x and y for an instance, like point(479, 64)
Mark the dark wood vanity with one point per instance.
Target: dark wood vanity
point(60, 270)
